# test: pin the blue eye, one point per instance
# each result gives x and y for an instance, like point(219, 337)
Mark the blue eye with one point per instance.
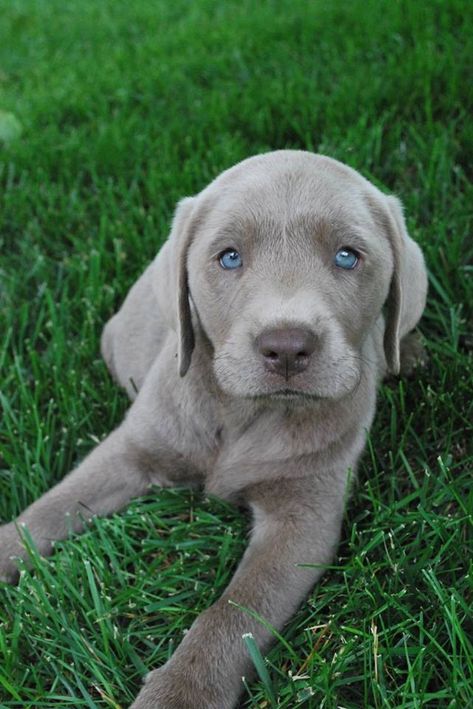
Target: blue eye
point(346, 258)
point(230, 259)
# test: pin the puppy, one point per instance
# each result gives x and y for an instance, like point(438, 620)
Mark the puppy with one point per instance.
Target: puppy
point(252, 348)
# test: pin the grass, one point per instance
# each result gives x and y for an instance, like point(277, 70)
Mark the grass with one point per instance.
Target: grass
point(109, 113)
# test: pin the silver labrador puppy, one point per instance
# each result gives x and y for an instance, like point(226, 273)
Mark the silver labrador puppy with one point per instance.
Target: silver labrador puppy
point(252, 347)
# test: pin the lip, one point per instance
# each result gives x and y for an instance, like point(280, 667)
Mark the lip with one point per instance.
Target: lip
point(295, 394)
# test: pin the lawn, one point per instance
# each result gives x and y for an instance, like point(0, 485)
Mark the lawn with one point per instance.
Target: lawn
point(111, 111)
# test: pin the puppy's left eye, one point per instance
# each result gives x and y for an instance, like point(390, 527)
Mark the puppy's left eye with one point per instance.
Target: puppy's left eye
point(346, 258)
point(230, 259)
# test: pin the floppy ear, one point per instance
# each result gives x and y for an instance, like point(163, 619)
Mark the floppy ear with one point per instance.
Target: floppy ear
point(170, 281)
point(408, 290)
point(182, 233)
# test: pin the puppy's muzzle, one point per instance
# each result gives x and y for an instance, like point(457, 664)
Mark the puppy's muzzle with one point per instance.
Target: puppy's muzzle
point(286, 351)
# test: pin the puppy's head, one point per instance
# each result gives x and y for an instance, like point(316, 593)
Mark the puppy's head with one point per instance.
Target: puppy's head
point(287, 259)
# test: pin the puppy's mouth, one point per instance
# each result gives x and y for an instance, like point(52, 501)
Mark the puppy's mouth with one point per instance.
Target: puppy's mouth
point(287, 393)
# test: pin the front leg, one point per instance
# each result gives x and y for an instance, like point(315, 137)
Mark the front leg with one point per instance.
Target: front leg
point(109, 477)
point(296, 522)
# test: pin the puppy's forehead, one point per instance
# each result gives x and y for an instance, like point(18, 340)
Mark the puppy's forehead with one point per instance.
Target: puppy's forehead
point(287, 185)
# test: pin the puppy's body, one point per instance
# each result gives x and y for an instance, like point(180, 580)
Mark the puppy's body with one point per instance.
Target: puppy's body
point(212, 405)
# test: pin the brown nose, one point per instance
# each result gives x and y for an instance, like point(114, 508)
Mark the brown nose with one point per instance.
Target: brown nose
point(286, 351)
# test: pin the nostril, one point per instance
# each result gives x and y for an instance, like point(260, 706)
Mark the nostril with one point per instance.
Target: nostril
point(301, 355)
point(271, 355)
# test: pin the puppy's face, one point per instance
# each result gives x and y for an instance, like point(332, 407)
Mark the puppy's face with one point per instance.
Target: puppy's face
point(288, 273)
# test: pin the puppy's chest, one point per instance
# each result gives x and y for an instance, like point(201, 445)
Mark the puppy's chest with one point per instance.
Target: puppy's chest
point(261, 435)
point(230, 444)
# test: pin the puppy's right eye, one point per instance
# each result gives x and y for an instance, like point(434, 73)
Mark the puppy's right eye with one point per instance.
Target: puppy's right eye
point(230, 259)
